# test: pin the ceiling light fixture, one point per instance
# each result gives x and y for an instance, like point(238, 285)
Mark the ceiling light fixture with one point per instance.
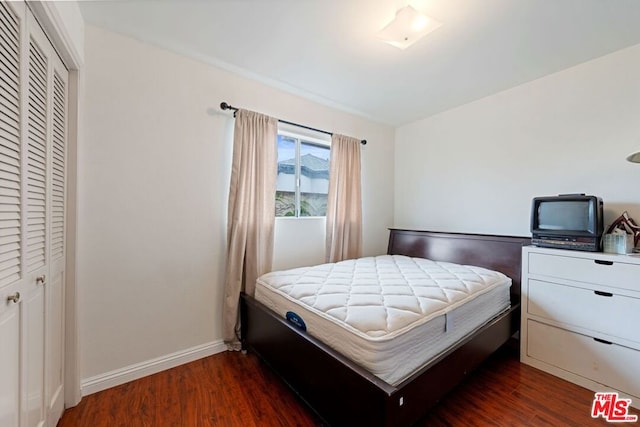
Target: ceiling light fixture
point(634, 157)
point(407, 27)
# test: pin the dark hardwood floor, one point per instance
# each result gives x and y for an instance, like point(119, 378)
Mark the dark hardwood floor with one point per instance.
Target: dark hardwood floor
point(232, 389)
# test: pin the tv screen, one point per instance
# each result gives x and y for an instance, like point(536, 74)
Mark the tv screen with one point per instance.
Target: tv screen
point(565, 215)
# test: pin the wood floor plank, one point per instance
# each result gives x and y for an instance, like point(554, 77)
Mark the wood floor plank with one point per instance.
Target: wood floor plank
point(232, 389)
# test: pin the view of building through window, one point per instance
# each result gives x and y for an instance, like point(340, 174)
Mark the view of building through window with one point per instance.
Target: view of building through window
point(303, 177)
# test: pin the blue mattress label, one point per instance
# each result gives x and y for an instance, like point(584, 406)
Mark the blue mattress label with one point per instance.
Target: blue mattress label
point(296, 320)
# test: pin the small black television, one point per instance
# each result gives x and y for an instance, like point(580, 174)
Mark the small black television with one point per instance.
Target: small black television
point(567, 221)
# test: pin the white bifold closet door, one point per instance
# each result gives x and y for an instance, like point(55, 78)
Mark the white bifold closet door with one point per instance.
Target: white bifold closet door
point(33, 116)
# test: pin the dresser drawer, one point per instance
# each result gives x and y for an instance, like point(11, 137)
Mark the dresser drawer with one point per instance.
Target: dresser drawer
point(598, 271)
point(604, 312)
point(609, 364)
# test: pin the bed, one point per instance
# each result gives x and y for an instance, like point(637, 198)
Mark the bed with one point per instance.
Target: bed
point(343, 392)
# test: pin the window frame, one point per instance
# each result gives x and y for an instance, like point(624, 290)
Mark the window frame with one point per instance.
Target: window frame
point(300, 138)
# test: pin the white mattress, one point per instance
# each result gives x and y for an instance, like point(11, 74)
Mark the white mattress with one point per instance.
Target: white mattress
point(391, 314)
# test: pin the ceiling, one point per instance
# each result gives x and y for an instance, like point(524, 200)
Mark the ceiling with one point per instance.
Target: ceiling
point(326, 50)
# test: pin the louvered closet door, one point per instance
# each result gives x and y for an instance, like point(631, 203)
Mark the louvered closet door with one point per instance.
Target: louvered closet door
point(12, 30)
point(44, 234)
point(56, 215)
point(33, 115)
point(35, 159)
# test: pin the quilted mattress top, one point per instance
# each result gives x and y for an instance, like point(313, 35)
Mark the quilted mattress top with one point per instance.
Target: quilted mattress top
point(384, 296)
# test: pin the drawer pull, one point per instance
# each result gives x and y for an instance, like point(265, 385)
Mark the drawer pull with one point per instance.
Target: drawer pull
point(603, 294)
point(603, 341)
point(601, 262)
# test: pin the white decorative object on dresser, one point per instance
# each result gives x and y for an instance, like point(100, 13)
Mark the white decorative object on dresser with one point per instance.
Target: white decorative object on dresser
point(581, 317)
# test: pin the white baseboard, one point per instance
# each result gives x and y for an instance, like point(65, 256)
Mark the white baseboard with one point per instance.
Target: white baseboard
point(133, 372)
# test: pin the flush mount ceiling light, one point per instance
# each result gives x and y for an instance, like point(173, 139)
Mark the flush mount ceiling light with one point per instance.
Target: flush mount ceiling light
point(407, 27)
point(634, 157)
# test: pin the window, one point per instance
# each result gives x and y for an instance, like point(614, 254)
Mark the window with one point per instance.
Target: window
point(303, 176)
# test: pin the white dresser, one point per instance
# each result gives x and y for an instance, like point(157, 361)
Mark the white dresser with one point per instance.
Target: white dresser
point(581, 318)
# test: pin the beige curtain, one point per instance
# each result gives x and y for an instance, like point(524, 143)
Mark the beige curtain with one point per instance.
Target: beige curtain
point(251, 214)
point(344, 204)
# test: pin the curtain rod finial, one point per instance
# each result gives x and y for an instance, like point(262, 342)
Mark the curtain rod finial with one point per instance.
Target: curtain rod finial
point(363, 142)
point(224, 106)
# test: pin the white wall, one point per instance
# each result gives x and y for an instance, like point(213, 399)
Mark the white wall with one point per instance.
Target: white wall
point(153, 179)
point(309, 233)
point(477, 167)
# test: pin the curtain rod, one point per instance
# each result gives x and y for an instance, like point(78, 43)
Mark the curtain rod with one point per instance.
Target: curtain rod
point(226, 106)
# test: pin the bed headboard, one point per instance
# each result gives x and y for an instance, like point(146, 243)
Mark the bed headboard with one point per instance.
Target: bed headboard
point(500, 253)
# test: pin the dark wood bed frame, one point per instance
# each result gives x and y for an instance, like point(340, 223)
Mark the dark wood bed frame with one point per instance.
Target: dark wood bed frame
point(343, 393)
